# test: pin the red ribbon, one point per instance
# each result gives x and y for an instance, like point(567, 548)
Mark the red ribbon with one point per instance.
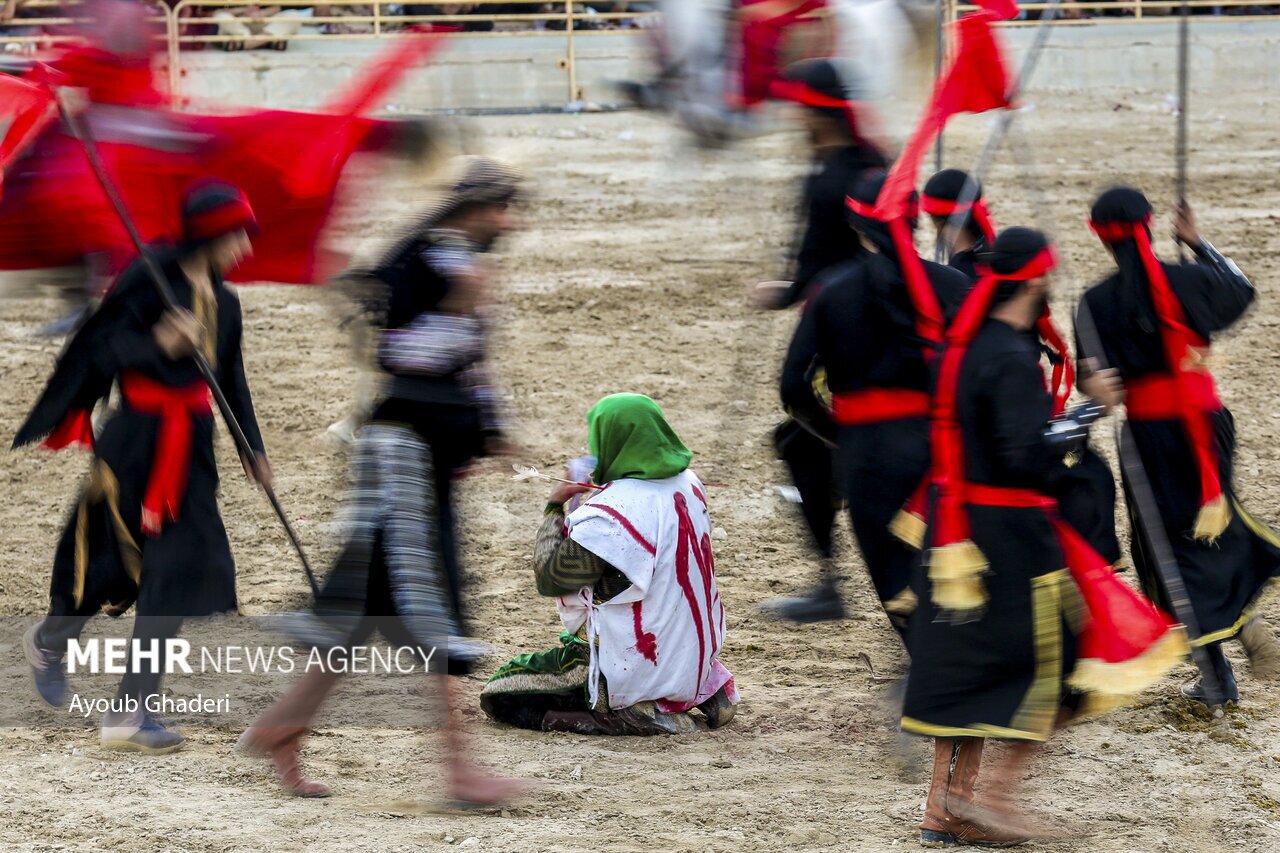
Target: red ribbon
point(1122, 624)
point(171, 462)
point(76, 429)
point(947, 443)
point(1195, 396)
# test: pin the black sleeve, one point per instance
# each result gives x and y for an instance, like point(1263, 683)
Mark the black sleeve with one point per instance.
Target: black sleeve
point(798, 395)
point(116, 337)
point(1019, 412)
point(233, 381)
point(1213, 292)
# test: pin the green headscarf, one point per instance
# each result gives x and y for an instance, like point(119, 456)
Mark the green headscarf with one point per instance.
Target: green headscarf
point(630, 438)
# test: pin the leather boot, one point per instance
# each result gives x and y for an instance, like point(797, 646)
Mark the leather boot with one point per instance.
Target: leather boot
point(936, 830)
point(967, 763)
point(978, 824)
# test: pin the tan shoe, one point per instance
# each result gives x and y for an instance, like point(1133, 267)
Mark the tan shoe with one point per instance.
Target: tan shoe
point(1263, 648)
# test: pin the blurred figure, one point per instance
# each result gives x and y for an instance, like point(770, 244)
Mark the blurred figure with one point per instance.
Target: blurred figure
point(398, 570)
point(841, 154)
point(762, 26)
point(718, 61)
point(113, 66)
point(252, 35)
point(863, 331)
point(642, 624)
point(146, 531)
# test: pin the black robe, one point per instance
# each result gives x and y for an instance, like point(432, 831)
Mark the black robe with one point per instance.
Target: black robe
point(1002, 674)
point(1083, 483)
point(187, 569)
point(827, 239)
point(861, 330)
point(1223, 579)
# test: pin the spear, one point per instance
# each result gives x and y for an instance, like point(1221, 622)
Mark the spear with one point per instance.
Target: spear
point(81, 132)
point(1180, 155)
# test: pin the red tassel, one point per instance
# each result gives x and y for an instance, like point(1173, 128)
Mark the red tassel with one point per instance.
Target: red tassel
point(1127, 643)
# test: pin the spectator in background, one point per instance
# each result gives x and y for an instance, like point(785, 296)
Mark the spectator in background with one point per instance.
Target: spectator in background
point(469, 9)
point(344, 28)
point(250, 32)
point(11, 10)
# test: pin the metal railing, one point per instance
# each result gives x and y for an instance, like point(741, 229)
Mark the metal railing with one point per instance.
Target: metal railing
point(375, 19)
point(199, 23)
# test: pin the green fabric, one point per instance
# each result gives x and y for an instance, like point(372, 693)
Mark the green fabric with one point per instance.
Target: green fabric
point(552, 671)
point(631, 438)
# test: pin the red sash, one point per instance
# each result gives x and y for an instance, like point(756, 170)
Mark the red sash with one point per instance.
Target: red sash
point(1155, 397)
point(171, 461)
point(877, 405)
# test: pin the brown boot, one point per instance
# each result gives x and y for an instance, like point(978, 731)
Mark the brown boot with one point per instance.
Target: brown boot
point(968, 760)
point(1260, 643)
point(937, 828)
point(987, 824)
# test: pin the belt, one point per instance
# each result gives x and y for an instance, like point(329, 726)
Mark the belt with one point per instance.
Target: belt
point(171, 461)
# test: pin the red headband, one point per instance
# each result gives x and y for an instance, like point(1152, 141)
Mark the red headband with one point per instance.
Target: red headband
point(1044, 261)
point(935, 206)
point(806, 95)
point(223, 218)
point(1114, 232)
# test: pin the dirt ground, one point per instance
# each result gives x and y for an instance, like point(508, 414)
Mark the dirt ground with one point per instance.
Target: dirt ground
point(630, 277)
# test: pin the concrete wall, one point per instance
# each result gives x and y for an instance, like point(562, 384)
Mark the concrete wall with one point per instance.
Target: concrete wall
point(530, 71)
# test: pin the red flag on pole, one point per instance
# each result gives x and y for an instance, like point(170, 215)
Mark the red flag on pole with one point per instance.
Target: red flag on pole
point(974, 82)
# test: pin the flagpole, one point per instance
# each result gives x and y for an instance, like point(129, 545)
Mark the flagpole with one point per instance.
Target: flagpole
point(81, 132)
point(1180, 156)
point(940, 48)
point(973, 181)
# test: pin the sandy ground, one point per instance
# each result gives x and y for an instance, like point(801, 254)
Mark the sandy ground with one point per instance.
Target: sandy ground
point(630, 276)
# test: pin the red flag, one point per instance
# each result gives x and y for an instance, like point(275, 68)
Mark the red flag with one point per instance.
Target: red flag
point(26, 109)
point(974, 82)
point(288, 163)
point(1004, 10)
